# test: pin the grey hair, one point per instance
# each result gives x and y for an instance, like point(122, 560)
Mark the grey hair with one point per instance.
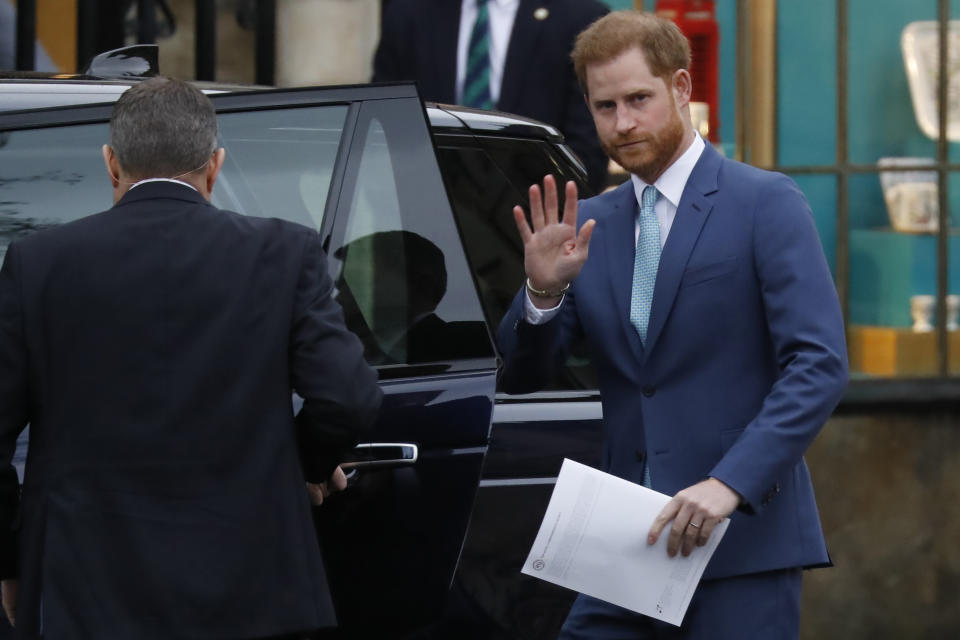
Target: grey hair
point(162, 128)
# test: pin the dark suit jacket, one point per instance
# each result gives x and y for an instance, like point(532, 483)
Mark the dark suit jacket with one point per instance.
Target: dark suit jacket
point(153, 348)
point(419, 42)
point(745, 357)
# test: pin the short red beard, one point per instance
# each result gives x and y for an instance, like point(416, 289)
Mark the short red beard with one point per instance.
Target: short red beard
point(656, 152)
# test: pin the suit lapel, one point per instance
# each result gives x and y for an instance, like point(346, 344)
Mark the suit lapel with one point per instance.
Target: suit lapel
point(520, 53)
point(620, 248)
point(692, 212)
point(444, 55)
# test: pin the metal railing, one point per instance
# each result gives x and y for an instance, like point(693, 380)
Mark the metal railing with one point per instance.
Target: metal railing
point(100, 27)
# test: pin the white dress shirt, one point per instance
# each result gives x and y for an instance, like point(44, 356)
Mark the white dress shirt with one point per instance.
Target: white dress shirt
point(670, 184)
point(186, 184)
point(501, 15)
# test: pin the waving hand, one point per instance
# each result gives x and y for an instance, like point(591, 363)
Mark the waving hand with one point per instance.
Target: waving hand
point(553, 251)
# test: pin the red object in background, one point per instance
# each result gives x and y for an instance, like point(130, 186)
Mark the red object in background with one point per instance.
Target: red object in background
point(697, 20)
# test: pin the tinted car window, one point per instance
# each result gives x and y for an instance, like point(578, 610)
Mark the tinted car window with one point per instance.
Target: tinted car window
point(50, 176)
point(483, 198)
point(55, 175)
point(403, 280)
point(279, 167)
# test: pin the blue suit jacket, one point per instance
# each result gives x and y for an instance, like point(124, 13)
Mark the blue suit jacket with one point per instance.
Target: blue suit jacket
point(744, 362)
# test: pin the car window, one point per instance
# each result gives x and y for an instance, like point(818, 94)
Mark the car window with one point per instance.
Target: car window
point(276, 166)
point(483, 193)
point(402, 276)
point(50, 176)
point(279, 163)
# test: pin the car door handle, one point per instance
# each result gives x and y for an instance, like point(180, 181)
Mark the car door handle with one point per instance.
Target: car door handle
point(375, 455)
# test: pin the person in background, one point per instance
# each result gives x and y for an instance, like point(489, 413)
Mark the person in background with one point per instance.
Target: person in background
point(510, 55)
point(716, 332)
point(153, 349)
point(8, 43)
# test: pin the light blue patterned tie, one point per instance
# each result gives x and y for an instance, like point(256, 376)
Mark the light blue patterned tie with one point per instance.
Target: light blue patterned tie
point(645, 263)
point(476, 81)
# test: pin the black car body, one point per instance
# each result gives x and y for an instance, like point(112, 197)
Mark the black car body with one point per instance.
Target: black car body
point(413, 204)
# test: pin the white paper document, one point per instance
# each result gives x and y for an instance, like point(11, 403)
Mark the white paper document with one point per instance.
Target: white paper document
point(594, 540)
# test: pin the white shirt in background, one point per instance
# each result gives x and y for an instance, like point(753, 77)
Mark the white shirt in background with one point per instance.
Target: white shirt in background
point(501, 14)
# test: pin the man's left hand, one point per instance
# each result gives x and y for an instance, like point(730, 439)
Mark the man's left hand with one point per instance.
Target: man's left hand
point(695, 512)
point(317, 492)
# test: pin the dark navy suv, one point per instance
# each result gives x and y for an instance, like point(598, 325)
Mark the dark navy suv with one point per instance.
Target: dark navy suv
point(413, 204)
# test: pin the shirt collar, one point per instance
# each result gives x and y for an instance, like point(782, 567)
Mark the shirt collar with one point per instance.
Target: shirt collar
point(501, 3)
point(186, 184)
point(671, 183)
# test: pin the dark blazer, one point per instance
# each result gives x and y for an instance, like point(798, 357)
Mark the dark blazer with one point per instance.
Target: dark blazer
point(153, 348)
point(419, 42)
point(745, 357)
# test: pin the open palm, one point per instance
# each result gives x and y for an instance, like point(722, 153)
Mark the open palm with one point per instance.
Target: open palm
point(554, 252)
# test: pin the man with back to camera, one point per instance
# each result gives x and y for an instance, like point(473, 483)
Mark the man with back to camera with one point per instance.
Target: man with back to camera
point(153, 349)
point(715, 329)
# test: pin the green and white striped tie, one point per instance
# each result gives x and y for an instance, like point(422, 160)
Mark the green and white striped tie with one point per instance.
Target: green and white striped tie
point(476, 81)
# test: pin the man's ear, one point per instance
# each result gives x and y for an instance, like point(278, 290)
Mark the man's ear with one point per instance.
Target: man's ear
point(213, 168)
point(682, 87)
point(112, 164)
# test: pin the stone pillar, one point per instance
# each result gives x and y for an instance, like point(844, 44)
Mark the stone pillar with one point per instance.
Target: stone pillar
point(326, 41)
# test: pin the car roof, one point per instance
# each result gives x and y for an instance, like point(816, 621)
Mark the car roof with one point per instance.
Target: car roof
point(489, 122)
point(28, 91)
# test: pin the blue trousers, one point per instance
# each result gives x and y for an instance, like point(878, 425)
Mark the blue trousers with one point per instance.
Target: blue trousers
point(761, 606)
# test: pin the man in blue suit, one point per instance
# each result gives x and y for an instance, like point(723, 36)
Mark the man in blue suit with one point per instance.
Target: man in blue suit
point(715, 329)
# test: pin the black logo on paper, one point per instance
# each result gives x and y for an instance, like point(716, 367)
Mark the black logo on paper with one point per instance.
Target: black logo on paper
point(538, 565)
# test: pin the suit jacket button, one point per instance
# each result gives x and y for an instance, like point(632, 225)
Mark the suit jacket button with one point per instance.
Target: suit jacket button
point(648, 390)
point(641, 455)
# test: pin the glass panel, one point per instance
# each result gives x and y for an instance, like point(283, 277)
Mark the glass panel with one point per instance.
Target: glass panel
point(953, 279)
point(483, 199)
point(483, 195)
point(279, 163)
point(713, 63)
point(893, 214)
point(806, 84)
point(727, 20)
point(50, 176)
point(402, 277)
point(821, 193)
point(881, 114)
point(893, 280)
point(922, 46)
point(55, 175)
